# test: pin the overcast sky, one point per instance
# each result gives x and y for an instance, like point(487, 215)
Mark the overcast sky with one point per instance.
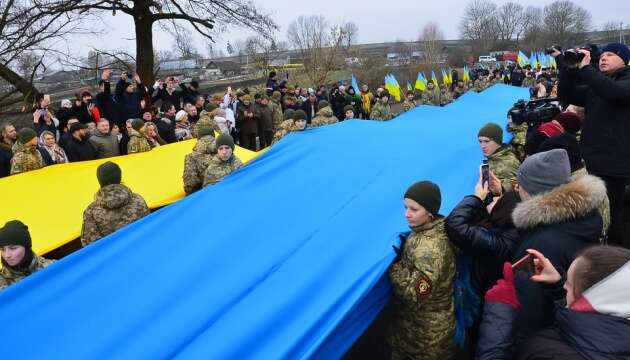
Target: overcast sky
point(378, 20)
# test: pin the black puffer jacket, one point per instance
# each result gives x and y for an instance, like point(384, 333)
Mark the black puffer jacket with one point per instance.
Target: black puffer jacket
point(605, 141)
point(559, 224)
point(489, 240)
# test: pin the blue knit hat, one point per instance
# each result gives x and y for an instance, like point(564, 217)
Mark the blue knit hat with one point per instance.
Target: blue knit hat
point(620, 50)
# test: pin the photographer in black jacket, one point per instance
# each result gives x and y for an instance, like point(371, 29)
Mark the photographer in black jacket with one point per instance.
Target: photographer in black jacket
point(605, 142)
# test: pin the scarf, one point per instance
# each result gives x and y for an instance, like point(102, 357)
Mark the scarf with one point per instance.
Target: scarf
point(55, 151)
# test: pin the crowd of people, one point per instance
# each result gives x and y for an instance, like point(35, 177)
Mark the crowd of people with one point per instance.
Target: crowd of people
point(549, 198)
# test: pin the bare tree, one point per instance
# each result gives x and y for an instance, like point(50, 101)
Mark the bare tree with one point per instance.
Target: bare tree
point(319, 44)
point(611, 30)
point(204, 16)
point(534, 33)
point(510, 20)
point(262, 51)
point(27, 27)
point(431, 38)
point(479, 24)
point(565, 22)
point(184, 44)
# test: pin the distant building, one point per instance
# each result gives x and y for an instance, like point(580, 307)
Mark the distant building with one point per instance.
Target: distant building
point(217, 69)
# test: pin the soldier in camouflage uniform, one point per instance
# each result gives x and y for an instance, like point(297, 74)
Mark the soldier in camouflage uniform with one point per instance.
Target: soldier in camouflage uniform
point(137, 141)
point(409, 102)
point(114, 206)
point(297, 123)
point(18, 258)
point(431, 95)
point(445, 96)
point(26, 157)
point(381, 111)
point(529, 81)
point(206, 120)
point(423, 325)
point(480, 84)
point(519, 135)
point(501, 158)
point(223, 163)
point(324, 116)
point(196, 163)
point(276, 110)
point(459, 90)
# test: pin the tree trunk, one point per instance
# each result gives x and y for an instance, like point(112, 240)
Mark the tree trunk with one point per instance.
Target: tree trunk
point(144, 46)
point(22, 85)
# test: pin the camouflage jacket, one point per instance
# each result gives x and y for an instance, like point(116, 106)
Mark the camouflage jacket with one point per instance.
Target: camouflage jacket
point(283, 130)
point(408, 105)
point(206, 119)
point(25, 159)
point(431, 97)
point(196, 163)
point(519, 133)
point(323, 117)
point(137, 143)
point(529, 82)
point(423, 325)
point(276, 115)
point(459, 92)
point(10, 276)
point(445, 98)
point(504, 165)
point(218, 169)
point(480, 85)
point(114, 207)
point(603, 207)
point(381, 112)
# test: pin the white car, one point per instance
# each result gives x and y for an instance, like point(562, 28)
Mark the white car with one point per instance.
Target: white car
point(487, 58)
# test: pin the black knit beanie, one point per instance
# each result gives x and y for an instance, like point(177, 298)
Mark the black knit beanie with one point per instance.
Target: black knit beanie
point(204, 131)
point(108, 173)
point(137, 124)
point(25, 135)
point(493, 132)
point(322, 104)
point(299, 115)
point(427, 194)
point(288, 114)
point(225, 139)
point(15, 232)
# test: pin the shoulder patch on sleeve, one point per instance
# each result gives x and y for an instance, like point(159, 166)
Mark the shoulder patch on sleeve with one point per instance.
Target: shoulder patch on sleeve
point(424, 286)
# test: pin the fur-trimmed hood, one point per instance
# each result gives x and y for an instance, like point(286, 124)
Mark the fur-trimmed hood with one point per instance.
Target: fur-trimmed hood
point(566, 202)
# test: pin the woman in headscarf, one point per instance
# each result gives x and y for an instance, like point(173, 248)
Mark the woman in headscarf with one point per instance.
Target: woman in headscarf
point(51, 152)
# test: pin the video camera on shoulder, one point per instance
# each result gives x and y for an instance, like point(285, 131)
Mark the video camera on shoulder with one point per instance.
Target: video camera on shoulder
point(534, 112)
point(572, 57)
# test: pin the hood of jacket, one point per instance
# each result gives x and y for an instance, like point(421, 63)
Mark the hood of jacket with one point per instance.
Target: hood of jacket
point(566, 202)
point(595, 336)
point(113, 196)
point(4, 146)
point(325, 112)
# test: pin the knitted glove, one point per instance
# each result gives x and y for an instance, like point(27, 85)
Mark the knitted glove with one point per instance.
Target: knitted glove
point(504, 291)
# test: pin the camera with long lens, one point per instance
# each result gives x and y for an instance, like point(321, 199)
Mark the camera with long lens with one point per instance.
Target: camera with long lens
point(571, 58)
point(534, 112)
